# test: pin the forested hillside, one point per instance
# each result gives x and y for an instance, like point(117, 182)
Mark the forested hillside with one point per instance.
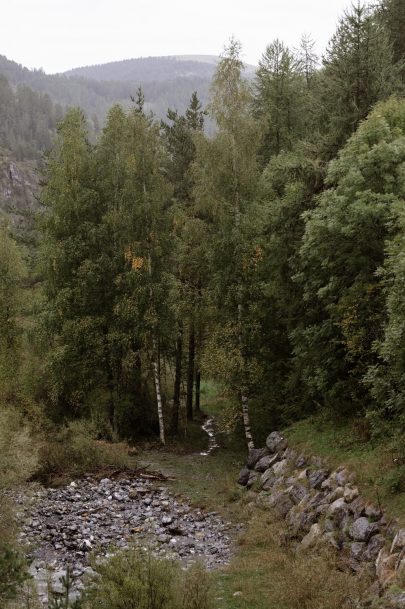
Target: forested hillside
point(265, 259)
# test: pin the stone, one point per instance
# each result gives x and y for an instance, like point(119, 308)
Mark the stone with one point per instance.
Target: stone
point(281, 503)
point(357, 507)
point(343, 476)
point(357, 550)
point(372, 512)
point(244, 476)
point(297, 492)
point(275, 442)
point(399, 541)
point(337, 493)
point(280, 467)
point(312, 538)
point(252, 479)
point(338, 510)
point(362, 529)
point(350, 494)
point(254, 456)
point(266, 462)
point(267, 479)
point(376, 543)
point(301, 462)
point(316, 478)
point(330, 483)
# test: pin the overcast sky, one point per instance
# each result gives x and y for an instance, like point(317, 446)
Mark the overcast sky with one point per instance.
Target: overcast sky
point(60, 34)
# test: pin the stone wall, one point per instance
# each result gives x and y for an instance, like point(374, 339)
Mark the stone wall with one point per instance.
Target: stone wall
point(321, 505)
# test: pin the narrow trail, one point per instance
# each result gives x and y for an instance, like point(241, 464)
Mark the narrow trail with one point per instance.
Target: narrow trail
point(209, 428)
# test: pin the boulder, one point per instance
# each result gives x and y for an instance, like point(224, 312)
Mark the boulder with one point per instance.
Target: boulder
point(343, 476)
point(372, 512)
point(281, 502)
point(312, 538)
point(357, 507)
point(280, 467)
point(253, 476)
point(297, 492)
point(301, 462)
point(362, 529)
point(266, 462)
point(350, 494)
point(267, 479)
point(376, 543)
point(337, 493)
point(244, 475)
point(255, 455)
point(338, 510)
point(275, 442)
point(357, 550)
point(317, 477)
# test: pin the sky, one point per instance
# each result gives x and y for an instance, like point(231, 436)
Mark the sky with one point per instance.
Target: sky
point(60, 34)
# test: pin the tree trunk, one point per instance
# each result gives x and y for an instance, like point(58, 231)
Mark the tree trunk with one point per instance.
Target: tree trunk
point(158, 396)
point(177, 381)
point(190, 373)
point(197, 390)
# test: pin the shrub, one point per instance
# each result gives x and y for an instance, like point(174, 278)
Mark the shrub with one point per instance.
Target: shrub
point(18, 449)
point(73, 451)
point(135, 579)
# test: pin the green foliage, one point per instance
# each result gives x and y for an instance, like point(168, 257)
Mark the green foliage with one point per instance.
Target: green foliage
point(359, 71)
point(137, 579)
point(342, 250)
point(73, 450)
point(12, 272)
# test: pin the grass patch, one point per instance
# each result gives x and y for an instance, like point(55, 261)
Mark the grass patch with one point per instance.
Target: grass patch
point(378, 466)
point(267, 573)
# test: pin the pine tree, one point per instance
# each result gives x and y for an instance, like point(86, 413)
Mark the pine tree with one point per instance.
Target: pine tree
point(279, 98)
point(358, 72)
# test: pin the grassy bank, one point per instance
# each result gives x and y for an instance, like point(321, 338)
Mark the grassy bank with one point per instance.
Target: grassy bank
point(378, 465)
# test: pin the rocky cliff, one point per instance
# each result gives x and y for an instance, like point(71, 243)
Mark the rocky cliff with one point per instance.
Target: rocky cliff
point(19, 190)
point(324, 506)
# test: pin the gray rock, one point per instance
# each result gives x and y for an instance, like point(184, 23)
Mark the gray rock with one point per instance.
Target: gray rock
point(275, 442)
point(252, 479)
point(376, 543)
point(266, 462)
point(317, 477)
point(338, 510)
point(281, 503)
point(280, 467)
point(244, 476)
point(362, 529)
point(297, 492)
point(255, 455)
point(357, 550)
point(267, 479)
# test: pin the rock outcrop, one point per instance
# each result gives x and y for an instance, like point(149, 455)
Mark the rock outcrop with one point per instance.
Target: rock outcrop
point(324, 506)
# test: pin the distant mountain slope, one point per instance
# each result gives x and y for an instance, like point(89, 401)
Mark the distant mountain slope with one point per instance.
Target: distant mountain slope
point(147, 69)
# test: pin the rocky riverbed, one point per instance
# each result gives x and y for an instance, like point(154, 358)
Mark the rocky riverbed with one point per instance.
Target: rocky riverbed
point(65, 526)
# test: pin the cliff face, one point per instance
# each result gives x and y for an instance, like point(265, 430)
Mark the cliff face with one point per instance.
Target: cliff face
point(19, 191)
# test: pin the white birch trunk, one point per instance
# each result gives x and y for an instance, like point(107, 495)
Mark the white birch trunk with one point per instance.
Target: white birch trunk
point(158, 397)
